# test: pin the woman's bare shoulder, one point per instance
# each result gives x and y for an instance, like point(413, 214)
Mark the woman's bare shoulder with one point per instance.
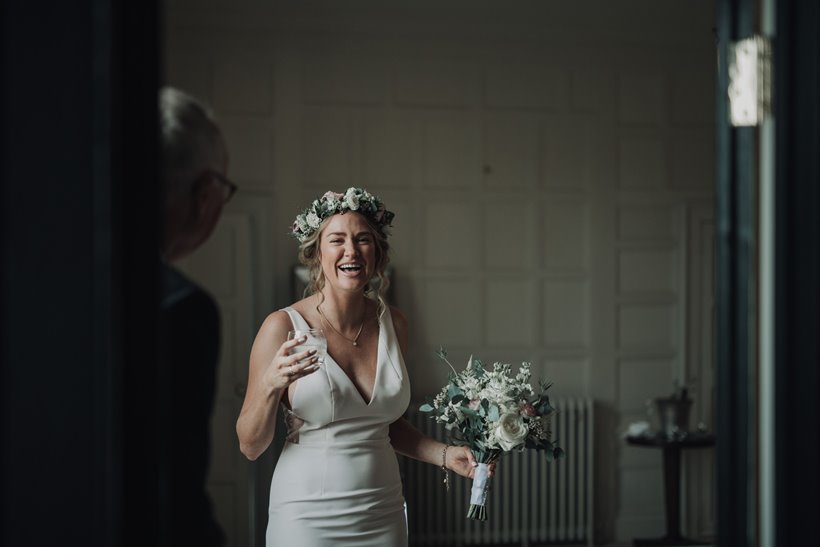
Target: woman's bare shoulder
point(304, 306)
point(276, 323)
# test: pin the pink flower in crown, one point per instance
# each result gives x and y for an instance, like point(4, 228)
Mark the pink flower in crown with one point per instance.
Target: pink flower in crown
point(332, 196)
point(474, 404)
point(528, 410)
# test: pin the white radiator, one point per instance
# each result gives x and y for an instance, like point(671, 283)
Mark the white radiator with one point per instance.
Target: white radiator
point(531, 501)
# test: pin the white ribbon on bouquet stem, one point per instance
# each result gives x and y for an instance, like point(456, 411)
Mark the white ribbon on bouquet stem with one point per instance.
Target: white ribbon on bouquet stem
point(478, 494)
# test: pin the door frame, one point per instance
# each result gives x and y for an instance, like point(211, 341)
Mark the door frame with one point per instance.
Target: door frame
point(792, 320)
point(735, 296)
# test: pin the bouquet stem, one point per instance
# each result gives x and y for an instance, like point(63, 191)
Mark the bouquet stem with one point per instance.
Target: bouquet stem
point(478, 494)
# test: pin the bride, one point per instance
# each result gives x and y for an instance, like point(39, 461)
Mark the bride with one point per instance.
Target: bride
point(337, 480)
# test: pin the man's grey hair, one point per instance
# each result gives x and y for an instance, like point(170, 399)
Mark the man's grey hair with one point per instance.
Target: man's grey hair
point(190, 140)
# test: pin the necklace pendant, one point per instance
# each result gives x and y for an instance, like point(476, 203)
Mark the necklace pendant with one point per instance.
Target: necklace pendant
point(355, 343)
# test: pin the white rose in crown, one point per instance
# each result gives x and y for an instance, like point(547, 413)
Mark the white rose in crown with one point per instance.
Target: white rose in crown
point(352, 199)
point(511, 431)
point(313, 220)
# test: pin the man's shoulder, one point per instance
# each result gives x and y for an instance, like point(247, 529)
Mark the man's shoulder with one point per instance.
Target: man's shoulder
point(176, 289)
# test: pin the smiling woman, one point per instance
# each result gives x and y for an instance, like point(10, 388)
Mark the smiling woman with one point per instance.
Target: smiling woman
point(337, 480)
point(347, 251)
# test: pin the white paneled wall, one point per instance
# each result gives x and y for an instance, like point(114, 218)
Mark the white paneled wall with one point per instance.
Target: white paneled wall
point(544, 183)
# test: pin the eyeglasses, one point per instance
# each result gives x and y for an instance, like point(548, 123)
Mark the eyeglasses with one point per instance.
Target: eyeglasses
point(232, 188)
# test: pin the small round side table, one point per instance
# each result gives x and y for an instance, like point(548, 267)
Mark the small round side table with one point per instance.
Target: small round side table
point(672, 448)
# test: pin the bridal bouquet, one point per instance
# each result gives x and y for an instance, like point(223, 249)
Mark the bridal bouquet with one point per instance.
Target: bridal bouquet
point(492, 412)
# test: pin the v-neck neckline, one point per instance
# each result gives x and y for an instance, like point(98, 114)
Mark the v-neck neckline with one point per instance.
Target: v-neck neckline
point(329, 357)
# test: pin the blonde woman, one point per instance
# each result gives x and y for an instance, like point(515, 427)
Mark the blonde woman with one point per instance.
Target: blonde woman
point(337, 480)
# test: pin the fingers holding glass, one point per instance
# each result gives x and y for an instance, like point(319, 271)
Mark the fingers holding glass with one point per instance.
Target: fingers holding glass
point(309, 342)
point(299, 364)
point(293, 360)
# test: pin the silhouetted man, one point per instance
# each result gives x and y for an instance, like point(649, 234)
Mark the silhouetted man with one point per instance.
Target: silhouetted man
point(194, 161)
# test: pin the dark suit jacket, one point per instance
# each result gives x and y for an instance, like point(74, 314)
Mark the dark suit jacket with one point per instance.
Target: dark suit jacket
point(189, 349)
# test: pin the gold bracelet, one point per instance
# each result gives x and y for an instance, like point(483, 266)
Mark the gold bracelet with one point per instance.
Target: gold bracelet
point(444, 467)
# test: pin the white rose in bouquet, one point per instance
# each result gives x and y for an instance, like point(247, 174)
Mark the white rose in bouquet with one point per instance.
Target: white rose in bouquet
point(511, 431)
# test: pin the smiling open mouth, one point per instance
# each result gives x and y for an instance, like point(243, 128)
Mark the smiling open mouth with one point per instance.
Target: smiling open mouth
point(350, 268)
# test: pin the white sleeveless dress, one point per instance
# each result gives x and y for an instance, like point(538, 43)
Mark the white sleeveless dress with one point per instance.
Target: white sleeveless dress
point(337, 480)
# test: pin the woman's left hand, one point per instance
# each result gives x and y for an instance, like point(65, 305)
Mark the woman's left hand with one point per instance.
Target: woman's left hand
point(461, 460)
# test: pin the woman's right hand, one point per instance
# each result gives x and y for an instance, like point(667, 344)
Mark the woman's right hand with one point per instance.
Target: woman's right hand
point(285, 369)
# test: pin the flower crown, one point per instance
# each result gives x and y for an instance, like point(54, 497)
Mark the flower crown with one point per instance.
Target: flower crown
point(354, 199)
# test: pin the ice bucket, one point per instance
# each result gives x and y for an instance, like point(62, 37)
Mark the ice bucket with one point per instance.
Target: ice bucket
point(673, 415)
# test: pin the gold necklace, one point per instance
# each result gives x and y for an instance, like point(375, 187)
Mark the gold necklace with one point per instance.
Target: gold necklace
point(355, 340)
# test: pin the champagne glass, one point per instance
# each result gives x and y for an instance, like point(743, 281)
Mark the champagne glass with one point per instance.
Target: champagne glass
point(315, 339)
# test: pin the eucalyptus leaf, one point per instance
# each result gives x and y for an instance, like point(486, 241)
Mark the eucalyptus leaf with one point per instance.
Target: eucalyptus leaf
point(426, 408)
point(544, 408)
point(493, 413)
point(469, 412)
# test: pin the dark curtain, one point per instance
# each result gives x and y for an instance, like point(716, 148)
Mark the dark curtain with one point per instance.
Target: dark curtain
point(79, 280)
point(797, 271)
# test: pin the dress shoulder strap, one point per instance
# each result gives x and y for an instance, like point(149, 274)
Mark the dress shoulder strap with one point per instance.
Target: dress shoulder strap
point(296, 319)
